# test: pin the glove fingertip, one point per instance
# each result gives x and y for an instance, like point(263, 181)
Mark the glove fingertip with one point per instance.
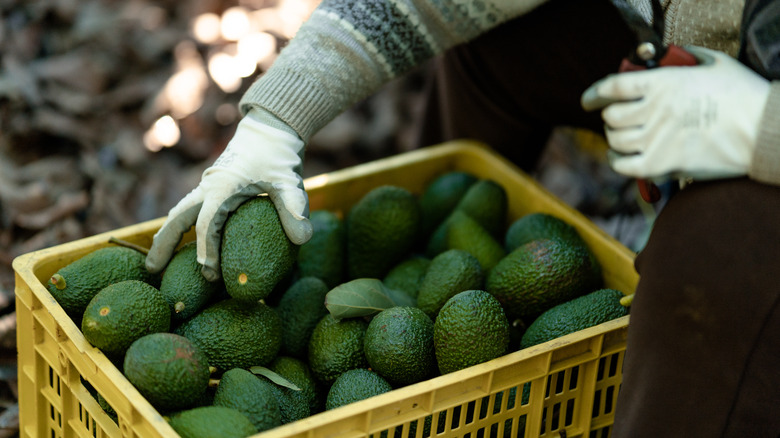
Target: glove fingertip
point(299, 231)
point(591, 101)
point(305, 234)
point(628, 166)
point(210, 273)
point(158, 256)
point(297, 226)
point(209, 258)
point(153, 267)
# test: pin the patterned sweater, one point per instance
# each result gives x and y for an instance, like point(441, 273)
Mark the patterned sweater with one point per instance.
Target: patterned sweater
point(347, 49)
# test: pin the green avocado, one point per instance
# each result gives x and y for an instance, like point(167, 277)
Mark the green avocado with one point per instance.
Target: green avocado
point(541, 274)
point(325, 255)
point(580, 313)
point(300, 308)
point(235, 334)
point(355, 385)
point(212, 421)
point(382, 228)
point(471, 329)
point(241, 390)
point(74, 285)
point(123, 312)
point(256, 253)
point(184, 287)
point(399, 345)
point(335, 347)
point(449, 273)
point(168, 370)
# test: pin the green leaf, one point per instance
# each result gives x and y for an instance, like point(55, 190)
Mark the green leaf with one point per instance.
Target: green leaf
point(356, 298)
point(274, 377)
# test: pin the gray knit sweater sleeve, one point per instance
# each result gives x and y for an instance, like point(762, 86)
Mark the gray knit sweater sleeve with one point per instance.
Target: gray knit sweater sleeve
point(347, 49)
point(765, 166)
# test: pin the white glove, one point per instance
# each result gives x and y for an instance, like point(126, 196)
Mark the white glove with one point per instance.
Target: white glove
point(258, 159)
point(697, 122)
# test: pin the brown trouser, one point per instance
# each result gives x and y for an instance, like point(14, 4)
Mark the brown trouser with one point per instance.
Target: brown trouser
point(703, 355)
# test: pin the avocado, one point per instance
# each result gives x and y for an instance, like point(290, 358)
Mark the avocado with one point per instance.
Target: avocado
point(355, 385)
point(212, 421)
point(336, 346)
point(123, 312)
point(168, 370)
point(399, 345)
point(574, 315)
point(184, 287)
point(256, 253)
point(441, 196)
point(301, 307)
point(382, 228)
point(407, 275)
point(298, 372)
point(74, 285)
point(534, 226)
point(235, 334)
point(467, 234)
point(471, 328)
point(325, 255)
point(293, 405)
point(486, 202)
point(541, 274)
point(449, 273)
point(241, 390)
point(437, 241)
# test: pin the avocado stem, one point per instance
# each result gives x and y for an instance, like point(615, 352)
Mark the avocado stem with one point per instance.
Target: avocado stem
point(127, 244)
point(213, 383)
point(58, 281)
point(627, 300)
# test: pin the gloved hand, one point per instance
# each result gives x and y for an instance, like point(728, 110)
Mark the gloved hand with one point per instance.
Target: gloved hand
point(258, 159)
point(697, 122)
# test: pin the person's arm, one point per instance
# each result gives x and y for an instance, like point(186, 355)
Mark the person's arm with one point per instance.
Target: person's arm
point(343, 53)
point(347, 49)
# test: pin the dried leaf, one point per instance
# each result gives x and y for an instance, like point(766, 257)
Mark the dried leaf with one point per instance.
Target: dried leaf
point(274, 377)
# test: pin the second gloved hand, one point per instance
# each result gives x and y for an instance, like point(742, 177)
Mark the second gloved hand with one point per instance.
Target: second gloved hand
point(258, 159)
point(697, 122)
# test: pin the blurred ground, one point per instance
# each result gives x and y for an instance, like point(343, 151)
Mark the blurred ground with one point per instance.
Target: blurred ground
point(110, 111)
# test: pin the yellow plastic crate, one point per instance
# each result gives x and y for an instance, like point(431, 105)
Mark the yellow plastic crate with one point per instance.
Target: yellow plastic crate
point(573, 380)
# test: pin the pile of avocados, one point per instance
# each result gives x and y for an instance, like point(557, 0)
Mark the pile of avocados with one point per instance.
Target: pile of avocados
point(399, 288)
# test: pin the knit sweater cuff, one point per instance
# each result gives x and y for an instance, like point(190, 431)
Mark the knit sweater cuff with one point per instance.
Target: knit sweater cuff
point(766, 157)
point(295, 100)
